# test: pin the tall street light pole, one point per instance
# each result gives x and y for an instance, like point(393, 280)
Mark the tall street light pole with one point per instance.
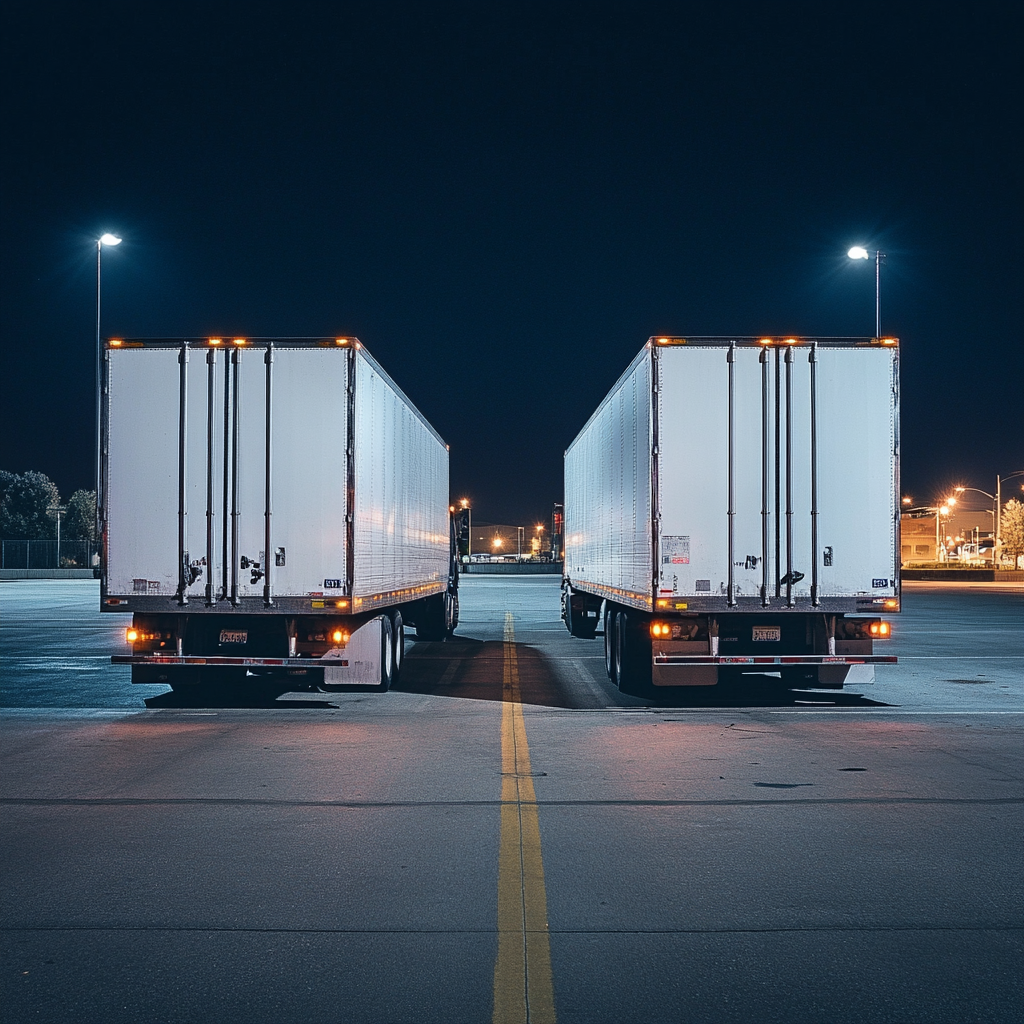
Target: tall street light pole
point(858, 252)
point(105, 239)
point(464, 503)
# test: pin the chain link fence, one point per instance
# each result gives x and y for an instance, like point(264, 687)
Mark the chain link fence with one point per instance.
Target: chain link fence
point(47, 554)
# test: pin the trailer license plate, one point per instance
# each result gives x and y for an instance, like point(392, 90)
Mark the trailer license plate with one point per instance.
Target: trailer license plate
point(767, 633)
point(234, 636)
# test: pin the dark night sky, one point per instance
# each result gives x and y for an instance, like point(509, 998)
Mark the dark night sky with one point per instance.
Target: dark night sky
point(504, 200)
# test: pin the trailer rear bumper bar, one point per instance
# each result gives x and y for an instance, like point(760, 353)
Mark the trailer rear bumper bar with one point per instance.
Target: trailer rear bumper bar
point(796, 659)
point(192, 660)
point(830, 671)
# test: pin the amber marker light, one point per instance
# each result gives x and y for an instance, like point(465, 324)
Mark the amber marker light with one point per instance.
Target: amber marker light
point(116, 342)
point(660, 629)
point(238, 341)
point(882, 630)
point(663, 341)
point(789, 341)
point(131, 635)
point(341, 341)
point(341, 604)
point(889, 341)
point(765, 341)
point(216, 341)
point(337, 636)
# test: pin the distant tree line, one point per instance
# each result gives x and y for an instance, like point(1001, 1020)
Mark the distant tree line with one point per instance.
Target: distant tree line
point(28, 504)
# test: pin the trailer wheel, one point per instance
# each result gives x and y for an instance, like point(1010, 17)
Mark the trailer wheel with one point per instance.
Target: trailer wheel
point(397, 645)
point(387, 655)
point(632, 655)
point(609, 643)
point(451, 613)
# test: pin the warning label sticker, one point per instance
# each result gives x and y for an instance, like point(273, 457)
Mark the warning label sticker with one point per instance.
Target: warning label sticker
point(675, 550)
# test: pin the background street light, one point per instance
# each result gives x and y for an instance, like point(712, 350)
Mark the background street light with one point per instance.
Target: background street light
point(105, 239)
point(858, 252)
point(464, 503)
point(58, 511)
point(997, 498)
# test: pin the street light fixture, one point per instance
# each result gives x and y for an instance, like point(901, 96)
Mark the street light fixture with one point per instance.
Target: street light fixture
point(858, 252)
point(105, 239)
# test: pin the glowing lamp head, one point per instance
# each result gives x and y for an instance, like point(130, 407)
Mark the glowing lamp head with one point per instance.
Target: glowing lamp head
point(109, 239)
point(858, 252)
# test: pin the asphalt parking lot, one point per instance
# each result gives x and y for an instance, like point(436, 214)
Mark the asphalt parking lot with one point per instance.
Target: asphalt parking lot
point(506, 837)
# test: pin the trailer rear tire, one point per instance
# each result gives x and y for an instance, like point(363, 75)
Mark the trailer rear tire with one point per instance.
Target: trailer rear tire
point(387, 655)
point(609, 643)
point(397, 645)
point(632, 654)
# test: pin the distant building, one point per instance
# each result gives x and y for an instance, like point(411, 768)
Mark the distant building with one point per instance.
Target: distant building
point(959, 531)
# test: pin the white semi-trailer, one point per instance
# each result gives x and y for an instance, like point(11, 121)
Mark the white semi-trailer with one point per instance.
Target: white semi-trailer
point(732, 507)
point(274, 513)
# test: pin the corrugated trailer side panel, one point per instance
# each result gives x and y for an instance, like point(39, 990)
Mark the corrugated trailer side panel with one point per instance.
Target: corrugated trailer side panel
point(608, 543)
point(401, 493)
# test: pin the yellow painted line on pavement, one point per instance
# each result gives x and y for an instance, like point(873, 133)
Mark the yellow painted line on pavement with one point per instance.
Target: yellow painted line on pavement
point(523, 990)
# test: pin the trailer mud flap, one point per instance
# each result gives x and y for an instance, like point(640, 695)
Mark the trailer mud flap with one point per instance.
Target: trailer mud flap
point(358, 662)
point(684, 675)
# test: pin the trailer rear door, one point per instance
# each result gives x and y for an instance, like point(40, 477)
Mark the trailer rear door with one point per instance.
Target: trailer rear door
point(197, 480)
point(777, 468)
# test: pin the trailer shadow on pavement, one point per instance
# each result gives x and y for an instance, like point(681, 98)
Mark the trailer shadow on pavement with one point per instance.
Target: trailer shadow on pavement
point(474, 670)
point(236, 699)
